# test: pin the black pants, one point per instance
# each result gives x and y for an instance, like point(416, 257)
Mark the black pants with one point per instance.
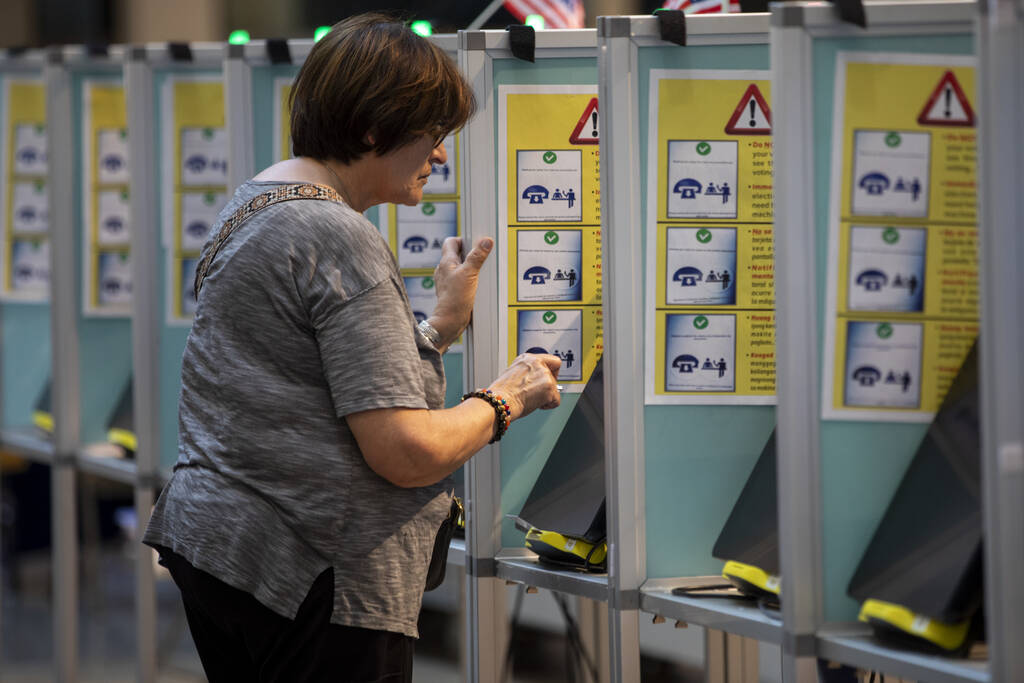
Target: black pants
point(239, 640)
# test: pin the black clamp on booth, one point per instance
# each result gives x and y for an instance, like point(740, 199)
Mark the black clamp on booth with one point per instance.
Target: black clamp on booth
point(180, 52)
point(672, 25)
point(852, 12)
point(278, 52)
point(522, 41)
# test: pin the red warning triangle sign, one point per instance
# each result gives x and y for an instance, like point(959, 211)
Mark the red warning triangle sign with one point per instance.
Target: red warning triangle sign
point(752, 115)
point(585, 132)
point(947, 105)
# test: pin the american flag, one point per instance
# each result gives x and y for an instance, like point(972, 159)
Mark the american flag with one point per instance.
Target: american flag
point(556, 13)
point(703, 6)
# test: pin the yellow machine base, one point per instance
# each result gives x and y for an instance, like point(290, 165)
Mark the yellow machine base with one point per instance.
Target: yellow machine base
point(43, 420)
point(567, 551)
point(752, 580)
point(949, 637)
point(123, 438)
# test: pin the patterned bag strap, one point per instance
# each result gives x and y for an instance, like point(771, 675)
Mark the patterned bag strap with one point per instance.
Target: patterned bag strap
point(249, 209)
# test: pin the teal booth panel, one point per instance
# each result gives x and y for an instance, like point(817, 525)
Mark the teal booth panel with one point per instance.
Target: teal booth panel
point(454, 388)
point(861, 462)
point(528, 444)
point(25, 351)
point(697, 458)
point(104, 343)
point(172, 346)
point(26, 361)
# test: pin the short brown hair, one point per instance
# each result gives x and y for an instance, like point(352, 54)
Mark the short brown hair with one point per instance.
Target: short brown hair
point(372, 76)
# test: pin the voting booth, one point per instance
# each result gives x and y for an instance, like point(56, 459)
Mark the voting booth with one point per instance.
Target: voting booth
point(877, 290)
point(687, 171)
point(178, 156)
point(25, 267)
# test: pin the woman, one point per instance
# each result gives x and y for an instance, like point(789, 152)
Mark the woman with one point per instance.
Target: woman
point(314, 452)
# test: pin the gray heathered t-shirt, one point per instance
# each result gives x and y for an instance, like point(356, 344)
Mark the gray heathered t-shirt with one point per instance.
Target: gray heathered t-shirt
point(303, 319)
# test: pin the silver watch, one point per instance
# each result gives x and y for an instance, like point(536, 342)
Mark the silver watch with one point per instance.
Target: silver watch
point(431, 335)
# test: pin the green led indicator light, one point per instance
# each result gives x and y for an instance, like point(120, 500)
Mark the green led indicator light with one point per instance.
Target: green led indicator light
point(536, 21)
point(320, 32)
point(422, 27)
point(239, 37)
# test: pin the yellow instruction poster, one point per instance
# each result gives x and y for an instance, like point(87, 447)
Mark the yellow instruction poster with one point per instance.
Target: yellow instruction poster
point(549, 226)
point(26, 222)
point(710, 320)
point(195, 159)
point(282, 119)
point(105, 179)
point(902, 306)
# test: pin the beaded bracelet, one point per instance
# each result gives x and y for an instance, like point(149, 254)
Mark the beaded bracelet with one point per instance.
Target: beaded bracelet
point(501, 410)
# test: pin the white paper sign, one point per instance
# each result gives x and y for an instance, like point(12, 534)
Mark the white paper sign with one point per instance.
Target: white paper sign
point(442, 176)
point(422, 230)
point(883, 364)
point(30, 210)
point(702, 178)
point(188, 291)
point(113, 226)
point(30, 149)
point(700, 352)
point(112, 156)
point(887, 269)
point(30, 266)
point(199, 211)
point(549, 185)
point(422, 295)
point(550, 265)
point(204, 156)
point(890, 173)
point(114, 286)
point(700, 266)
point(559, 333)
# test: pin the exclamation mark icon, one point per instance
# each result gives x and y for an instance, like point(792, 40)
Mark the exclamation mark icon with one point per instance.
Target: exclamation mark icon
point(593, 117)
point(753, 111)
point(949, 101)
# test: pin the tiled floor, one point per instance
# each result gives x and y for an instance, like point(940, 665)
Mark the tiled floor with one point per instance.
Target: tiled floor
point(108, 639)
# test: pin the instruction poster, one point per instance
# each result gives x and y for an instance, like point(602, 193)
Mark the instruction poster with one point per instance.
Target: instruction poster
point(710, 319)
point(195, 158)
point(282, 119)
point(549, 226)
point(105, 178)
point(902, 306)
point(417, 233)
point(23, 172)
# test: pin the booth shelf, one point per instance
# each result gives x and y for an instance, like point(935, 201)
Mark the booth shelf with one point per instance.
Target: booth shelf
point(524, 567)
point(108, 461)
point(28, 442)
point(853, 645)
point(721, 614)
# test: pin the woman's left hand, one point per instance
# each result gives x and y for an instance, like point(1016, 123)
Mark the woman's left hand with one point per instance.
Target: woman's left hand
point(456, 279)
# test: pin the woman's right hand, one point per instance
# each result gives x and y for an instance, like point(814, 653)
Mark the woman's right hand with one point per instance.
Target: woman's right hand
point(530, 382)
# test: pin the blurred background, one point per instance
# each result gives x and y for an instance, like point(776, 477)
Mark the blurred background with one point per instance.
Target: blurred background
point(38, 23)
